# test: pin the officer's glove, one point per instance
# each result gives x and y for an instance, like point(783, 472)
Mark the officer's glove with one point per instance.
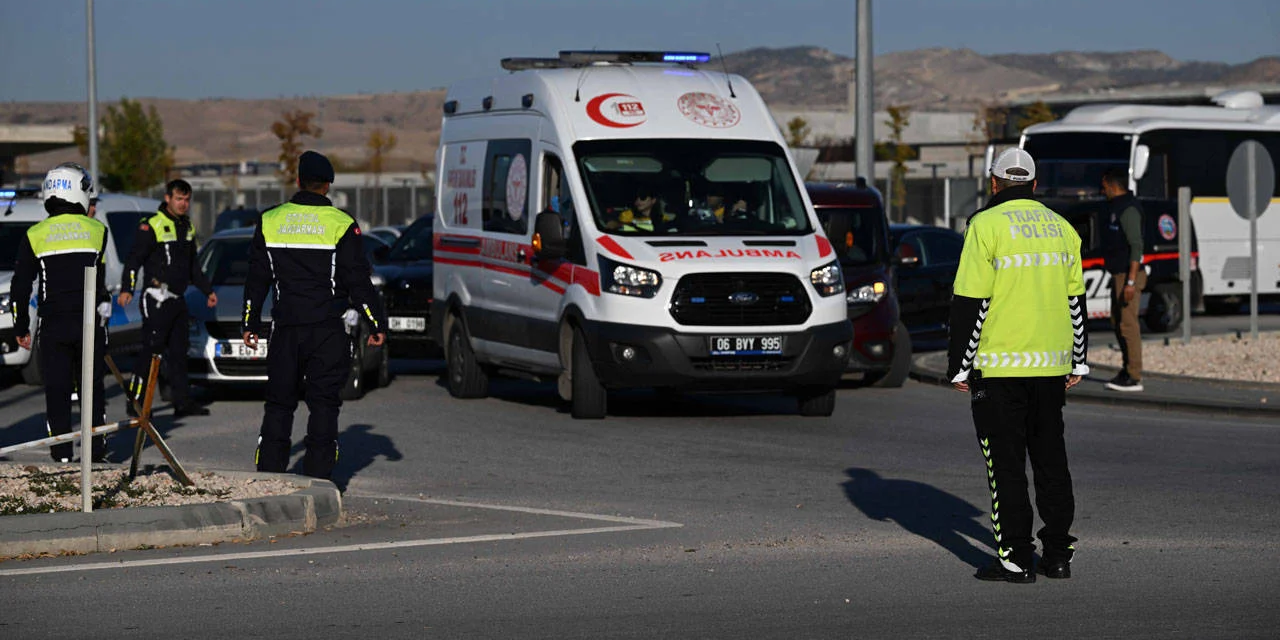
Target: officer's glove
point(104, 310)
point(351, 318)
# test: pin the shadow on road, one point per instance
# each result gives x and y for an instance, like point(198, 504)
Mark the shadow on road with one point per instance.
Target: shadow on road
point(926, 511)
point(358, 449)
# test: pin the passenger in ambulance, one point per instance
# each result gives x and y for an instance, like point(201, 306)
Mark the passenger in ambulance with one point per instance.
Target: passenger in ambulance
point(714, 208)
point(644, 213)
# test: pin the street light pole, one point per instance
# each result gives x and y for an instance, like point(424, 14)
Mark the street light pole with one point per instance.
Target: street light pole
point(92, 129)
point(864, 106)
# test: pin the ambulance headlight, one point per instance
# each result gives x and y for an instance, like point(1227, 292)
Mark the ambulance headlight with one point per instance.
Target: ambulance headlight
point(828, 279)
point(624, 279)
point(865, 294)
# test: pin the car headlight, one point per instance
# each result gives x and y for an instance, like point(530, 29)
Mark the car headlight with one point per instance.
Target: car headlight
point(867, 293)
point(4, 303)
point(627, 280)
point(828, 279)
point(377, 281)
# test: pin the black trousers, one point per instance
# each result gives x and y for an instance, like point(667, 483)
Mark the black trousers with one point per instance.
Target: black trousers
point(1014, 418)
point(60, 339)
point(164, 333)
point(308, 362)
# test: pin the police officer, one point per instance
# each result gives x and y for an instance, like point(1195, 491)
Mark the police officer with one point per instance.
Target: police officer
point(311, 252)
point(58, 249)
point(1017, 344)
point(165, 249)
point(1122, 258)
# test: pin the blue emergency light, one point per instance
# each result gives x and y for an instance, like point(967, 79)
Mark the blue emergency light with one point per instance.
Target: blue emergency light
point(8, 194)
point(686, 57)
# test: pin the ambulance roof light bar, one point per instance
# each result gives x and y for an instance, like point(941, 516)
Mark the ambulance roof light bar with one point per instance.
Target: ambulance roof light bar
point(583, 58)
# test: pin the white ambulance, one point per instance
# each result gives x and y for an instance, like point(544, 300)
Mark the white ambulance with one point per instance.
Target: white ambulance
point(624, 219)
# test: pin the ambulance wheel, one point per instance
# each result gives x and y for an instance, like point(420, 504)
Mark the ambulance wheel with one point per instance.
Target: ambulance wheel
point(1164, 309)
point(354, 388)
point(817, 403)
point(31, 372)
point(466, 378)
point(901, 366)
point(590, 400)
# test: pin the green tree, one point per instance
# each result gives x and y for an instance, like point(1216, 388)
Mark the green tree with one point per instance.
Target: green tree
point(132, 151)
point(899, 154)
point(290, 129)
point(797, 131)
point(1035, 113)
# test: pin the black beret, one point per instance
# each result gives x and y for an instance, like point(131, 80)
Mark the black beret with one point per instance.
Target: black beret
point(315, 167)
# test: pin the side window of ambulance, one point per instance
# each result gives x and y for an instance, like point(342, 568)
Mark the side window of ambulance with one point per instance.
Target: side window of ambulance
point(556, 197)
point(506, 187)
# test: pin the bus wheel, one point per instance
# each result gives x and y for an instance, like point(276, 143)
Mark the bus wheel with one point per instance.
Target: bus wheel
point(1164, 309)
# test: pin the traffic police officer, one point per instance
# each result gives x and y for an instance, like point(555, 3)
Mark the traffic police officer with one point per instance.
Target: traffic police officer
point(165, 248)
point(311, 252)
point(1017, 344)
point(58, 249)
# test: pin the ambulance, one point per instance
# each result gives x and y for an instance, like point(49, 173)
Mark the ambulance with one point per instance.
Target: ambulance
point(618, 220)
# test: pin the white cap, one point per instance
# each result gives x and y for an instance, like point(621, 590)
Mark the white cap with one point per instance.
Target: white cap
point(1011, 159)
point(68, 182)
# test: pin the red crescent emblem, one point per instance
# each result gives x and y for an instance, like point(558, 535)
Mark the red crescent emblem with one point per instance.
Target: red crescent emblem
point(595, 113)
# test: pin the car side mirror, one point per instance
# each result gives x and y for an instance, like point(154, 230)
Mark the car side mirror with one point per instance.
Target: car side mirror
point(548, 236)
point(380, 254)
point(906, 261)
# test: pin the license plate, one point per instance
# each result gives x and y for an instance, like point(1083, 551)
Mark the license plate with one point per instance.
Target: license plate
point(241, 351)
point(407, 324)
point(745, 345)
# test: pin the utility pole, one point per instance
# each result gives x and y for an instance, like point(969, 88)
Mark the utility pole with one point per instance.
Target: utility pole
point(864, 106)
point(93, 99)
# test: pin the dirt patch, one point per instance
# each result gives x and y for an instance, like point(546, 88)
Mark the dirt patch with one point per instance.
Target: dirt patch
point(48, 488)
point(1219, 357)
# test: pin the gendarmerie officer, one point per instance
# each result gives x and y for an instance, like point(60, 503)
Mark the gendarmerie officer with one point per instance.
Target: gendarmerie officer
point(164, 249)
point(311, 252)
point(57, 249)
point(1017, 344)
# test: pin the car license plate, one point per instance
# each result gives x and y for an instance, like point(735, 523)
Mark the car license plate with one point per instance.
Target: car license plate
point(241, 351)
point(745, 345)
point(407, 324)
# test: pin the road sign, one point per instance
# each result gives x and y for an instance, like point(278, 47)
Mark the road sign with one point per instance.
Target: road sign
point(1251, 179)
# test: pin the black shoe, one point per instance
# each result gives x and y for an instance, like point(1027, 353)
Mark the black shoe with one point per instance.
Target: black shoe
point(1123, 382)
point(1058, 568)
point(995, 572)
point(190, 409)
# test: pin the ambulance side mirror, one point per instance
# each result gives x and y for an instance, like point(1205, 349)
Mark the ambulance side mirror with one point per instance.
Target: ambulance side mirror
point(548, 236)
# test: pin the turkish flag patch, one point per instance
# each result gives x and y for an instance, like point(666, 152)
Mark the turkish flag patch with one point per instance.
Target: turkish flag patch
point(145, 227)
point(357, 229)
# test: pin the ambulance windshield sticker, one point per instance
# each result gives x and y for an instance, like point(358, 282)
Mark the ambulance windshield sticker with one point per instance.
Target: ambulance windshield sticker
point(709, 110)
point(1168, 228)
point(517, 186)
point(617, 110)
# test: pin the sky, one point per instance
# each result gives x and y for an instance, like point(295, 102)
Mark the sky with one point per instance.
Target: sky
point(278, 48)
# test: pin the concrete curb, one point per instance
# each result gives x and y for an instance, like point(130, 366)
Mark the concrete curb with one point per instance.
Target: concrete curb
point(924, 369)
point(317, 503)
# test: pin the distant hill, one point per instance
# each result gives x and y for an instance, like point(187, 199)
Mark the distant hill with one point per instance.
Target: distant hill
point(225, 130)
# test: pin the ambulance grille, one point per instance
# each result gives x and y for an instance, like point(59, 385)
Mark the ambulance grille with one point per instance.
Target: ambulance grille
point(708, 299)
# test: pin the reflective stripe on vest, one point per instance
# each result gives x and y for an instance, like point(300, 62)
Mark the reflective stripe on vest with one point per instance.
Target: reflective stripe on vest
point(66, 233)
point(297, 226)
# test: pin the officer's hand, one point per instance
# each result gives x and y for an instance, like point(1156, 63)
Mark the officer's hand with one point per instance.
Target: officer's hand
point(377, 339)
point(1129, 292)
point(250, 339)
point(25, 342)
point(124, 298)
point(213, 300)
point(1073, 381)
point(961, 386)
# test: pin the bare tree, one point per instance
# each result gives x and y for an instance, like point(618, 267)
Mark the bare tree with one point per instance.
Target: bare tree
point(290, 129)
point(380, 144)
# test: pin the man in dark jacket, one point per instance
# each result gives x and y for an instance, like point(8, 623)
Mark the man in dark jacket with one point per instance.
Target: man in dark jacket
point(165, 250)
point(1122, 257)
point(311, 252)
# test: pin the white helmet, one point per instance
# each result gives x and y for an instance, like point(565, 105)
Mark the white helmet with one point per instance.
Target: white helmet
point(69, 182)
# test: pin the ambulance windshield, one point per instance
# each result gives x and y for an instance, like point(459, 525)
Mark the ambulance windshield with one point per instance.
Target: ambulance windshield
point(691, 188)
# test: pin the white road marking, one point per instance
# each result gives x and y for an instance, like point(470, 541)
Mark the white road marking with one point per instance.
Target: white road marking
point(623, 524)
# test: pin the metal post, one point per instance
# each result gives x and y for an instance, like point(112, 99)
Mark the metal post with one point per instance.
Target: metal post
point(413, 203)
point(90, 325)
point(946, 202)
point(93, 96)
point(1184, 258)
point(358, 209)
point(864, 105)
point(386, 208)
point(1251, 170)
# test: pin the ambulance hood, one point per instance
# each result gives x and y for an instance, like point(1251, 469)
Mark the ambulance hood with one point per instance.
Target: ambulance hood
point(674, 257)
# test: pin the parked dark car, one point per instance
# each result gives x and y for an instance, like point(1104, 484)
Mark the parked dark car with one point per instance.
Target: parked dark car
point(928, 258)
point(236, 219)
point(407, 270)
point(854, 220)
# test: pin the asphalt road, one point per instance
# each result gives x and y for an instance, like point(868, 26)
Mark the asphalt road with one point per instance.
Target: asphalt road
point(687, 517)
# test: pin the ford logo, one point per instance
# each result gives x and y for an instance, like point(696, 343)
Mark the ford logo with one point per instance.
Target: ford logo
point(744, 297)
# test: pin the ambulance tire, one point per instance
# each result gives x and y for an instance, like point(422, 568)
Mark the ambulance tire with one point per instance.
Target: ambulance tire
point(463, 374)
point(817, 403)
point(590, 400)
point(901, 366)
point(31, 371)
point(1164, 309)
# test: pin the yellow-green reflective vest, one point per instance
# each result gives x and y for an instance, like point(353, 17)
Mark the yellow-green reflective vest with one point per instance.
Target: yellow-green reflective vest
point(297, 226)
point(66, 233)
point(1025, 259)
point(165, 229)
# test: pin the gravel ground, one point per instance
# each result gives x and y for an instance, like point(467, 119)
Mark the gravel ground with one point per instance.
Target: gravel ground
point(1218, 357)
point(46, 488)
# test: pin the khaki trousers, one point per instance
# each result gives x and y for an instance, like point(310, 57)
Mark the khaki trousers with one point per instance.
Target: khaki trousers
point(1124, 319)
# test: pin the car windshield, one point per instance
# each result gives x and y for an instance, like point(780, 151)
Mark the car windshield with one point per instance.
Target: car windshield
point(856, 233)
point(1071, 164)
point(226, 261)
point(10, 236)
point(691, 188)
point(414, 244)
